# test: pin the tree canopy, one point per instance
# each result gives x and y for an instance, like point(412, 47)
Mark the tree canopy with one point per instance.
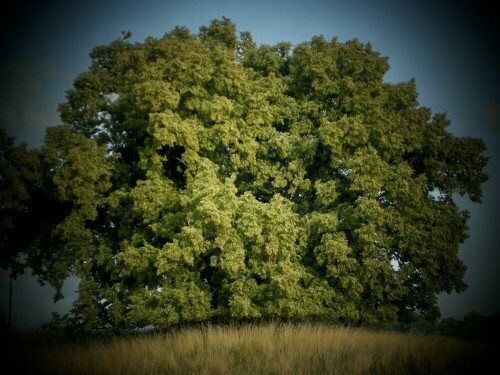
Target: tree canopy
point(20, 177)
point(204, 177)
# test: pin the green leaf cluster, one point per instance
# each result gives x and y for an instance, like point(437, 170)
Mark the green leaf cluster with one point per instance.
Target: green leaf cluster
point(208, 178)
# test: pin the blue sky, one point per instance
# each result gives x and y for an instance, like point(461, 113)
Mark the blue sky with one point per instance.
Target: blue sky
point(448, 46)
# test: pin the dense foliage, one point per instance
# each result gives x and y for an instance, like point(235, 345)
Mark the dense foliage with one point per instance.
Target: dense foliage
point(205, 177)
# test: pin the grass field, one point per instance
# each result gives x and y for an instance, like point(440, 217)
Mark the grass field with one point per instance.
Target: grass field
point(257, 349)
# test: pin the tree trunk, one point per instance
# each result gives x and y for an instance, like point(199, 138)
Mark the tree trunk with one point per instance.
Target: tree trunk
point(9, 318)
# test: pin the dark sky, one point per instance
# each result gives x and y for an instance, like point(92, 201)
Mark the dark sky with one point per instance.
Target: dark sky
point(450, 47)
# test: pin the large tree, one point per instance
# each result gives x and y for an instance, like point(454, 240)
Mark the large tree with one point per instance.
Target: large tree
point(207, 178)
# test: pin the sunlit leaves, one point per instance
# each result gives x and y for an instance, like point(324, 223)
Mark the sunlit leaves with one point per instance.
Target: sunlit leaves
point(238, 181)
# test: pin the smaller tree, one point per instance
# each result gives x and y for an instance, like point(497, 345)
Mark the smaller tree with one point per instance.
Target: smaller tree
point(20, 182)
point(20, 179)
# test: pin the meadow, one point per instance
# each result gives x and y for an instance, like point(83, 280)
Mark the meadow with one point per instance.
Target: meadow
point(253, 349)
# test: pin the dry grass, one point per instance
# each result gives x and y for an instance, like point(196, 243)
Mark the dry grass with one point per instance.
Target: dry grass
point(260, 349)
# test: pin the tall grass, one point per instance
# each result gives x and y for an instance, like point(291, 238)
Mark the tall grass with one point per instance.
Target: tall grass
point(258, 349)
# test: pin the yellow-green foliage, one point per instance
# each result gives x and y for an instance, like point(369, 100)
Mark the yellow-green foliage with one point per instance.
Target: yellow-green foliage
point(200, 177)
point(262, 349)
